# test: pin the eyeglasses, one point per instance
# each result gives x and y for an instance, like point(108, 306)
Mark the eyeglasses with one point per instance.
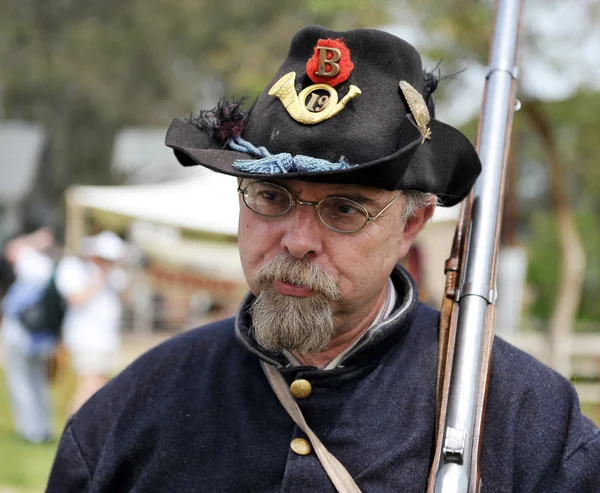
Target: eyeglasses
point(339, 214)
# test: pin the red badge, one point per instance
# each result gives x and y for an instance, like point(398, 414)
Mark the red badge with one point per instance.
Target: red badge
point(330, 63)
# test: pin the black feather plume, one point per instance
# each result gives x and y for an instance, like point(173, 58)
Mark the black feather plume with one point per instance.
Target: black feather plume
point(432, 79)
point(223, 122)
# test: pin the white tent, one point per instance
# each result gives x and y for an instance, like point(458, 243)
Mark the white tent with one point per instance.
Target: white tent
point(207, 202)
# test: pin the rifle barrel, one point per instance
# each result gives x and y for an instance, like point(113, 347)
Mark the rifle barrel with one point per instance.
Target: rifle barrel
point(476, 293)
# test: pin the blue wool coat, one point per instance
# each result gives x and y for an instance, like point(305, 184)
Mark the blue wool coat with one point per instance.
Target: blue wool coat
point(196, 414)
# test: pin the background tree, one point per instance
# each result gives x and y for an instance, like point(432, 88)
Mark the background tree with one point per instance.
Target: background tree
point(86, 68)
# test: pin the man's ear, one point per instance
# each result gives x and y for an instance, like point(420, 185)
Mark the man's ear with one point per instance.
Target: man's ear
point(415, 223)
point(413, 226)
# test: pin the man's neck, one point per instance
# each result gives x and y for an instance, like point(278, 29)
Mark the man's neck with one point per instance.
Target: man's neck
point(343, 341)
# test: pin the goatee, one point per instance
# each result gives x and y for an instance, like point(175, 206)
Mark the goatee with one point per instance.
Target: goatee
point(301, 324)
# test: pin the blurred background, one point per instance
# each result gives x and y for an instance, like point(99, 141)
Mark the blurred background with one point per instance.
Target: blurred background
point(88, 88)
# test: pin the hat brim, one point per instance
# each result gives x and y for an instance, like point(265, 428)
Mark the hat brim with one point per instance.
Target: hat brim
point(193, 147)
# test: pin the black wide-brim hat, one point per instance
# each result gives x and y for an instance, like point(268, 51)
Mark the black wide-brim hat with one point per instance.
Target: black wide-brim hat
point(386, 134)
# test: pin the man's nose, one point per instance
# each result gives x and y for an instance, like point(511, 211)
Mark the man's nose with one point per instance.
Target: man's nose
point(303, 236)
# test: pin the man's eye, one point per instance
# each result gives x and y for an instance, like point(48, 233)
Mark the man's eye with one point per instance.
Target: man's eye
point(347, 210)
point(337, 207)
point(269, 196)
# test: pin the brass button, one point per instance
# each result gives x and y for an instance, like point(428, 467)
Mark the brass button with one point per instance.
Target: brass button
point(301, 388)
point(300, 446)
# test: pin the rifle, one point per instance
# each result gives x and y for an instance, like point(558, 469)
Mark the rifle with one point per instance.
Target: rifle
point(468, 306)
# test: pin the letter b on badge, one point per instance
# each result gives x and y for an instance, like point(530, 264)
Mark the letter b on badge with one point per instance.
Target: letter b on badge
point(324, 61)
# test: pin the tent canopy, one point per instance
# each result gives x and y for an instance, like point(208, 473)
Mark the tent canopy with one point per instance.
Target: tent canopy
point(207, 202)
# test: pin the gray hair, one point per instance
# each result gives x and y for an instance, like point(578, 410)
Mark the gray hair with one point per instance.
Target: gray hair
point(416, 201)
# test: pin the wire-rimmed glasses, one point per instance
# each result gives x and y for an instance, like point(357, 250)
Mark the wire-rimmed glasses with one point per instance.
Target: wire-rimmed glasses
point(339, 214)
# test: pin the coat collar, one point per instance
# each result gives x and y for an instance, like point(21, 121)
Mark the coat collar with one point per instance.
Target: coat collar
point(373, 342)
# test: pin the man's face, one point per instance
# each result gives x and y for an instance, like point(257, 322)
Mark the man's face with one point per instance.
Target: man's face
point(357, 264)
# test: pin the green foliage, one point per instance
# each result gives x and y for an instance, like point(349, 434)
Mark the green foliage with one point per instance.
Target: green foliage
point(543, 264)
point(86, 69)
point(458, 29)
point(543, 268)
point(589, 226)
point(576, 124)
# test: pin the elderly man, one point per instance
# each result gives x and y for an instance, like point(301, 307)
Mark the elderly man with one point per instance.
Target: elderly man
point(325, 380)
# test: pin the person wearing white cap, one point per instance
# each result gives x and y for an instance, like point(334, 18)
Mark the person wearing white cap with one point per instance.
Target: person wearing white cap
point(91, 284)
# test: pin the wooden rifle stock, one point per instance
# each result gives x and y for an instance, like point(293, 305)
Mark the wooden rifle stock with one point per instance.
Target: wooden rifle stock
point(468, 305)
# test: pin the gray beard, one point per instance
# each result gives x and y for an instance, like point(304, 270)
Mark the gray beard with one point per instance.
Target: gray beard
point(279, 321)
point(287, 322)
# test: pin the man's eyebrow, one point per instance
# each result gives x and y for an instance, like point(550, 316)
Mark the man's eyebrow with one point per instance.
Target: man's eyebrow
point(349, 194)
point(357, 197)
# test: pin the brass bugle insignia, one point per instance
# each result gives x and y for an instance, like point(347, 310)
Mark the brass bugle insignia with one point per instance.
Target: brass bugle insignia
point(319, 108)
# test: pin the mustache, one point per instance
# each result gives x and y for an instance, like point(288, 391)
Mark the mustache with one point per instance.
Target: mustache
point(299, 272)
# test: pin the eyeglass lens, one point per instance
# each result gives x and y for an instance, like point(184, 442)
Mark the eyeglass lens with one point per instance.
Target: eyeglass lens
point(267, 199)
point(337, 213)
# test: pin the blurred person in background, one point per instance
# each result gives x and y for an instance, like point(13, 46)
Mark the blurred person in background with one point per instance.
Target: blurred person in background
point(331, 354)
point(91, 284)
point(28, 350)
point(7, 275)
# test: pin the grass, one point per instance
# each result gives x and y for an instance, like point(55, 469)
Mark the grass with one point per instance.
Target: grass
point(592, 411)
point(24, 467)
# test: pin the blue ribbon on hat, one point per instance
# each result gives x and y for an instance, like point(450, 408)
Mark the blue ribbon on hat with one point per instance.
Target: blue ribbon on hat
point(279, 163)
